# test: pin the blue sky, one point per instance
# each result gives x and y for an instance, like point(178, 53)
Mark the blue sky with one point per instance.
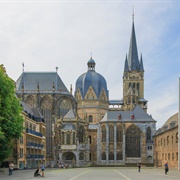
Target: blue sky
point(46, 34)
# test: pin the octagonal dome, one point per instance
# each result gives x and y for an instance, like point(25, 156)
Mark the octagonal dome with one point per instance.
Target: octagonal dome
point(91, 79)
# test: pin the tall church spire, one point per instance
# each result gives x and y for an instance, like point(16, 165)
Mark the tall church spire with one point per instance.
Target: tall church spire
point(133, 60)
point(133, 77)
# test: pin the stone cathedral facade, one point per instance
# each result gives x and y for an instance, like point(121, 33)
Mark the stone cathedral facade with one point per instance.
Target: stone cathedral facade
point(87, 127)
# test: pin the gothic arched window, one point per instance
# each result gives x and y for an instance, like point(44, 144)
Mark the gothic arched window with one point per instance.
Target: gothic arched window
point(119, 134)
point(89, 139)
point(119, 155)
point(81, 156)
point(103, 156)
point(133, 136)
point(81, 134)
point(133, 85)
point(111, 156)
point(138, 88)
point(64, 107)
point(103, 134)
point(74, 138)
point(62, 138)
point(111, 134)
point(148, 134)
point(31, 101)
point(90, 118)
point(68, 138)
point(69, 156)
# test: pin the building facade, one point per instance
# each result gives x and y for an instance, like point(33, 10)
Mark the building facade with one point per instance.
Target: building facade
point(166, 143)
point(47, 92)
point(30, 149)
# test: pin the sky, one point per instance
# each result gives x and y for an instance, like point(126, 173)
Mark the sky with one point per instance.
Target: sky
point(48, 34)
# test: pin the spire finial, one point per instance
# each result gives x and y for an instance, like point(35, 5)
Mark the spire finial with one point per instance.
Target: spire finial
point(56, 69)
point(133, 13)
point(23, 66)
point(91, 55)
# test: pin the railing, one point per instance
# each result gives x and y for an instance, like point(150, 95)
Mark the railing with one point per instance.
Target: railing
point(34, 145)
point(35, 156)
point(33, 132)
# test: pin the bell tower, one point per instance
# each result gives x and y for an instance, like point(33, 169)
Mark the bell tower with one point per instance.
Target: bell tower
point(133, 77)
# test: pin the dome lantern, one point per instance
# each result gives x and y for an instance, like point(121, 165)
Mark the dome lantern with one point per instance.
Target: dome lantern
point(91, 65)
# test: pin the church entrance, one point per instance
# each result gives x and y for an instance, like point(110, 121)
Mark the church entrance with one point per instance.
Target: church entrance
point(69, 158)
point(133, 141)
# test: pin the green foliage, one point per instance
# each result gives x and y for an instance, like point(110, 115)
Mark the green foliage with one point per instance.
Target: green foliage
point(11, 120)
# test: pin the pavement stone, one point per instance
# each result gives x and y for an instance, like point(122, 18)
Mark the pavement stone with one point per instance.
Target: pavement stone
point(94, 173)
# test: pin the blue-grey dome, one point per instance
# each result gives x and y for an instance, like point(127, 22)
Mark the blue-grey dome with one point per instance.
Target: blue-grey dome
point(91, 61)
point(93, 79)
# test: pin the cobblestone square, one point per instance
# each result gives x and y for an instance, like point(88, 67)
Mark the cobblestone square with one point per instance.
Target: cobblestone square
point(95, 173)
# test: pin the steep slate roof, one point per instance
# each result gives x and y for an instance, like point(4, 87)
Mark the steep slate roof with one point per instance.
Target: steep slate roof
point(139, 116)
point(141, 68)
point(70, 115)
point(133, 60)
point(169, 124)
point(68, 126)
point(126, 68)
point(115, 102)
point(26, 108)
point(46, 80)
point(33, 112)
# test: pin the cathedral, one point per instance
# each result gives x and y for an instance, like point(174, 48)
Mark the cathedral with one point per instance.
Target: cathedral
point(87, 128)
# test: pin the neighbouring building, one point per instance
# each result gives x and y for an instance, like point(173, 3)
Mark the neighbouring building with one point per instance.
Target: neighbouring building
point(166, 143)
point(30, 149)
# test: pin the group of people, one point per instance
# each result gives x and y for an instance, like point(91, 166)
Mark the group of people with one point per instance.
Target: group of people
point(37, 172)
point(40, 170)
point(166, 167)
point(42, 167)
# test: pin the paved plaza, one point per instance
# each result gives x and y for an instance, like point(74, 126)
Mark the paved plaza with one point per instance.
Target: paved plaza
point(95, 173)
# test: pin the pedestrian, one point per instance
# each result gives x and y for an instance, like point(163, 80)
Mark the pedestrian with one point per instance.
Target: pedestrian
point(42, 168)
point(166, 168)
point(11, 166)
point(139, 167)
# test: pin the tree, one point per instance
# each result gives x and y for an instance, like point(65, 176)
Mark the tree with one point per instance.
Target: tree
point(11, 120)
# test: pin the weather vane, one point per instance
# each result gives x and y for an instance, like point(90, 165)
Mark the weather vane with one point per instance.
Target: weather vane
point(23, 66)
point(133, 12)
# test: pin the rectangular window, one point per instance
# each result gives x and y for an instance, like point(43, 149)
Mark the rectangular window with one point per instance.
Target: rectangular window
point(172, 156)
point(21, 153)
point(21, 140)
point(168, 156)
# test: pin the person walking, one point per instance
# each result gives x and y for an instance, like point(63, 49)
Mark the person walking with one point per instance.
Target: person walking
point(11, 166)
point(166, 168)
point(139, 167)
point(42, 168)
